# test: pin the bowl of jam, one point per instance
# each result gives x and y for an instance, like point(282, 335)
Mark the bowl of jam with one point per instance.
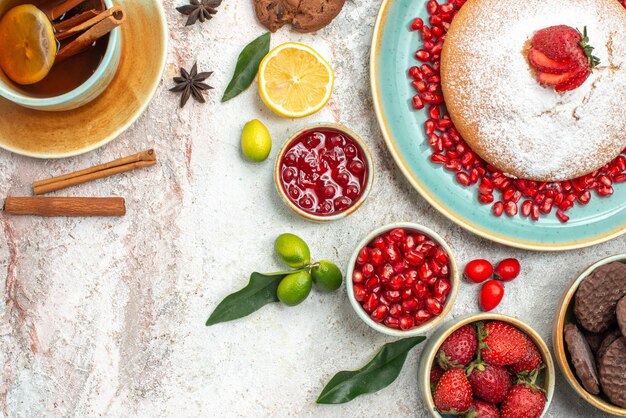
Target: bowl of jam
point(324, 172)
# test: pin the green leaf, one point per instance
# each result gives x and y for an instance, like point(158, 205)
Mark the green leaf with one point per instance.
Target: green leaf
point(247, 66)
point(376, 375)
point(260, 291)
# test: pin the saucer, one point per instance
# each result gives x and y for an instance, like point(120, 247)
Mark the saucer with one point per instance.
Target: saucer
point(43, 134)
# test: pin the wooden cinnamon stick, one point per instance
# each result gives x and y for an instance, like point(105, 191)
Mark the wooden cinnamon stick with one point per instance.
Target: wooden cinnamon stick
point(65, 206)
point(97, 31)
point(74, 21)
point(57, 10)
point(115, 11)
point(132, 162)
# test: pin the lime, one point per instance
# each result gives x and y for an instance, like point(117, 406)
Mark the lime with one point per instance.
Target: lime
point(256, 142)
point(292, 250)
point(294, 288)
point(326, 276)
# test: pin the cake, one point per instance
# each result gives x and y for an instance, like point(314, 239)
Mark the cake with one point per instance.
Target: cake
point(510, 113)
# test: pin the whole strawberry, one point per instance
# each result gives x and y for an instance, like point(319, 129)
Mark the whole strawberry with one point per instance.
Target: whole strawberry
point(562, 57)
point(530, 362)
point(489, 383)
point(501, 344)
point(453, 394)
point(523, 401)
point(459, 348)
point(435, 374)
point(482, 409)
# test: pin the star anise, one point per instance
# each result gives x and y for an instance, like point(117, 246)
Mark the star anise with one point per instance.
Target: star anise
point(191, 84)
point(199, 10)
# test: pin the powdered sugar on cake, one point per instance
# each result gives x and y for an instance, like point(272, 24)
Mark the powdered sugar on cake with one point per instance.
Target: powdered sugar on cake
point(524, 128)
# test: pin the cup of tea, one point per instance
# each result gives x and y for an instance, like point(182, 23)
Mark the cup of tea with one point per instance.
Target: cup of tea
point(60, 56)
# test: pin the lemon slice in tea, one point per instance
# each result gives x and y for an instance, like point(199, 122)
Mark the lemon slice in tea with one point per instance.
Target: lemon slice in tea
point(294, 80)
point(27, 44)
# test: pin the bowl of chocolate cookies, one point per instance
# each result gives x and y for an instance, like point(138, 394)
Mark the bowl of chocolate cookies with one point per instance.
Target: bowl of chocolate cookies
point(589, 335)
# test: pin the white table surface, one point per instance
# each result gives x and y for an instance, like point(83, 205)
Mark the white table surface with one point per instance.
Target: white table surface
point(105, 317)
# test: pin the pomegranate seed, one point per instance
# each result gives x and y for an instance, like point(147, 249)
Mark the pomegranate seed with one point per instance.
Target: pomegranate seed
point(562, 216)
point(360, 294)
point(371, 303)
point(392, 322)
point(395, 310)
point(422, 55)
point(442, 287)
point(357, 277)
point(375, 256)
point(535, 213)
point(396, 282)
point(420, 290)
point(406, 322)
point(498, 208)
point(420, 85)
point(363, 257)
point(417, 102)
point(432, 7)
point(426, 33)
point(546, 206)
point(406, 293)
point(462, 178)
point(526, 208)
point(393, 295)
point(510, 208)
point(379, 314)
point(372, 283)
point(433, 306)
point(415, 73)
point(367, 270)
point(409, 305)
point(485, 198)
point(421, 316)
point(417, 24)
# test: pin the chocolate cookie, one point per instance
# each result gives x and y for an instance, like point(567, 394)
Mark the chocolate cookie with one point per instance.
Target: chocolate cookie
point(606, 342)
point(594, 340)
point(582, 358)
point(620, 313)
point(597, 296)
point(613, 372)
point(303, 15)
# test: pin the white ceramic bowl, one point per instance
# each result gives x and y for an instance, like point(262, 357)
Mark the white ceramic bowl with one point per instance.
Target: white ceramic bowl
point(81, 95)
point(420, 329)
point(432, 346)
point(565, 314)
point(356, 204)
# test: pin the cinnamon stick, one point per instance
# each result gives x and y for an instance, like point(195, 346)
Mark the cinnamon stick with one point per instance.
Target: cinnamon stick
point(94, 33)
point(65, 206)
point(77, 28)
point(132, 162)
point(56, 11)
point(74, 21)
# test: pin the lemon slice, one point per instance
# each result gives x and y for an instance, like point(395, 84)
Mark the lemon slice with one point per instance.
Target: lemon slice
point(27, 44)
point(294, 80)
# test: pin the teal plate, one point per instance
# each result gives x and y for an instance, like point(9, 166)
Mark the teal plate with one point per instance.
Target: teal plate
point(393, 49)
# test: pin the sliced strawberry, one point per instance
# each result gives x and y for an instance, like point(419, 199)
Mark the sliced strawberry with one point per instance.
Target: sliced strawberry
point(576, 81)
point(557, 42)
point(546, 65)
point(555, 79)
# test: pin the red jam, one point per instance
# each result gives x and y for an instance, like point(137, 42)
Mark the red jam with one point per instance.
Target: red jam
point(324, 171)
point(402, 278)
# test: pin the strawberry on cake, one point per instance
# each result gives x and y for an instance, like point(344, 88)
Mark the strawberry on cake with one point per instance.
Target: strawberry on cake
point(537, 88)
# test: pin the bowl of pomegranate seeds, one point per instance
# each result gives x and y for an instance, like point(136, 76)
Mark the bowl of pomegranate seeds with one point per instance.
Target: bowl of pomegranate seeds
point(324, 172)
point(403, 279)
point(487, 365)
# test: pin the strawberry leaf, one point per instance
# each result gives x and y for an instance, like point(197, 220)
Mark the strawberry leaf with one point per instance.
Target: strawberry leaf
point(588, 49)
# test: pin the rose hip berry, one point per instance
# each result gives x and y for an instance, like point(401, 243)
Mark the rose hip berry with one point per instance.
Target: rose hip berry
point(491, 294)
point(477, 271)
point(402, 278)
point(506, 195)
point(507, 269)
point(323, 171)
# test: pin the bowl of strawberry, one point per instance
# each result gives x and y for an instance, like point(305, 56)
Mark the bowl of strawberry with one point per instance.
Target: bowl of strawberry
point(403, 279)
point(487, 365)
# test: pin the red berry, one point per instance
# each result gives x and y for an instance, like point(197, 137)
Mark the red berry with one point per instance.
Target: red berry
point(503, 344)
point(507, 269)
point(489, 383)
point(523, 401)
point(491, 294)
point(453, 394)
point(529, 363)
point(482, 409)
point(459, 348)
point(435, 374)
point(477, 271)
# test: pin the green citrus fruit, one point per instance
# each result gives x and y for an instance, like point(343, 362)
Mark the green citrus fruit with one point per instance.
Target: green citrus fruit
point(326, 276)
point(256, 142)
point(292, 250)
point(294, 288)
